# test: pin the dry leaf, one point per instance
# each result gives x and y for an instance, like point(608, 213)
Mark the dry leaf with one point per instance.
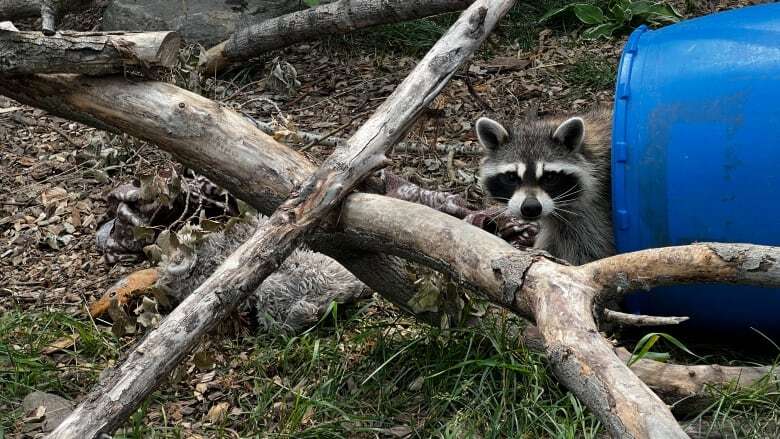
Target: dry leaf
point(218, 412)
point(61, 344)
point(53, 195)
point(148, 317)
point(123, 323)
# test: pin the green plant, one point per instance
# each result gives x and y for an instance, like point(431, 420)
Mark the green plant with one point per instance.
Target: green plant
point(607, 17)
point(643, 346)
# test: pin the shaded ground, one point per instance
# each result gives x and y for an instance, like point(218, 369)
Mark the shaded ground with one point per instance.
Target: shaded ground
point(368, 372)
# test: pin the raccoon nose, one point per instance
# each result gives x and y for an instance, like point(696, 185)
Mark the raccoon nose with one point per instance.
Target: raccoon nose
point(531, 208)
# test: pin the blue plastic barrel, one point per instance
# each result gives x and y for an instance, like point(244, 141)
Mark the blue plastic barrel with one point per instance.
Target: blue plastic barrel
point(696, 155)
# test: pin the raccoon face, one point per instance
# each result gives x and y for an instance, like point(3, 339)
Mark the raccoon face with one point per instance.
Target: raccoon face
point(537, 169)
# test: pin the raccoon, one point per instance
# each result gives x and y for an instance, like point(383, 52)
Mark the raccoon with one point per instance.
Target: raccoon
point(555, 172)
point(291, 299)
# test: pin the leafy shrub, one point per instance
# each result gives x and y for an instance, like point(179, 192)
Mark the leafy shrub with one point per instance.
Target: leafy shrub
point(607, 17)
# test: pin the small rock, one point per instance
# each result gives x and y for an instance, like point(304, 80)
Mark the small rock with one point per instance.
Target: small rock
point(53, 408)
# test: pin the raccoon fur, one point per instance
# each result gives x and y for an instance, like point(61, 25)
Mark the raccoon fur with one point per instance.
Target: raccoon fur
point(291, 299)
point(554, 171)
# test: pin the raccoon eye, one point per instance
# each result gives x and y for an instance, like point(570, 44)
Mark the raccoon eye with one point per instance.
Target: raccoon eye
point(509, 178)
point(551, 178)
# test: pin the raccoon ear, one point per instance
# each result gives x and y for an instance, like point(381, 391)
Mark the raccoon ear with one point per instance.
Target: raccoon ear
point(491, 134)
point(570, 133)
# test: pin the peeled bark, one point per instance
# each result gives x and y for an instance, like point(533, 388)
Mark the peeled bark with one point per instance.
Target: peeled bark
point(335, 18)
point(117, 396)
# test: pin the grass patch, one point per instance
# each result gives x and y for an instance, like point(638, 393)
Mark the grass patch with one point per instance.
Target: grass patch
point(356, 374)
point(520, 27)
point(368, 378)
point(750, 413)
point(23, 368)
point(592, 73)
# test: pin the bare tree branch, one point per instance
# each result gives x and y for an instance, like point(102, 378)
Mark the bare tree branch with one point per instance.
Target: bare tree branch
point(92, 53)
point(119, 394)
point(15, 9)
point(329, 19)
point(640, 320)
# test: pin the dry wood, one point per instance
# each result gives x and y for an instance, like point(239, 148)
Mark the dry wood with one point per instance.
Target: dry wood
point(52, 10)
point(314, 23)
point(190, 132)
point(622, 318)
point(561, 298)
point(495, 269)
point(106, 407)
point(16, 9)
point(49, 10)
point(686, 387)
point(222, 144)
point(92, 53)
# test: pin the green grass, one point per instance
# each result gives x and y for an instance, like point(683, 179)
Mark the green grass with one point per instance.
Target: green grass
point(750, 413)
point(23, 368)
point(413, 38)
point(367, 378)
point(592, 73)
point(359, 373)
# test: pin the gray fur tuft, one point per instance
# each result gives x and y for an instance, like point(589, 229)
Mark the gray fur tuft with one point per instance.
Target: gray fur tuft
point(291, 299)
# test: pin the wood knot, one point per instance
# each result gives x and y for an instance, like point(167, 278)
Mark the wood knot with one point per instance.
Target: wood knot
point(477, 23)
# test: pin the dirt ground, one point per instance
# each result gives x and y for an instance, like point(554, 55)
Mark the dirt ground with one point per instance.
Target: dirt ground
point(55, 174)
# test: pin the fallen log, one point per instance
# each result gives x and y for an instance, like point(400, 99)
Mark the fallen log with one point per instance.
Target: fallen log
point(230, 151)
point(90, 53)
point(688, 388)
point(50, 11)
point(227, 147)
point(15, 9)
point(335, 18)
point(171, 120)
point(117, 396)
point(561, 298)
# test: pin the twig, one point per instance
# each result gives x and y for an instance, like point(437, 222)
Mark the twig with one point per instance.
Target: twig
point(481, 102)
point(450, 165)
point(335, 131)
point(640, 320)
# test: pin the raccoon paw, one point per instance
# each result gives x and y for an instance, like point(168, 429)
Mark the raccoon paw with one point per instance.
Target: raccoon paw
point(498, 221)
